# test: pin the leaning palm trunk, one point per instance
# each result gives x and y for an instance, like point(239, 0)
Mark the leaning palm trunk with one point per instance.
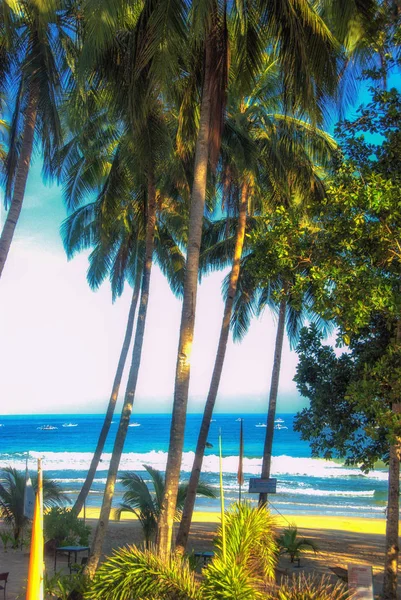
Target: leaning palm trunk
point(102, 525)
point(182, 374)
point(83, 494)
point(185, 524)
point(267, 451)
point(20, 177)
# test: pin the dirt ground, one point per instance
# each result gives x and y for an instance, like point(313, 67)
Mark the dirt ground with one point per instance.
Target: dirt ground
point(337, 549)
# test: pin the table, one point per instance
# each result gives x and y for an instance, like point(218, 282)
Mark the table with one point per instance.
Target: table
point(205, 556)
point(70, 550)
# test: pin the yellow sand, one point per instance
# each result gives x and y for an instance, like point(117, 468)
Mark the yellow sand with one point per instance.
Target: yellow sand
point(306, 522)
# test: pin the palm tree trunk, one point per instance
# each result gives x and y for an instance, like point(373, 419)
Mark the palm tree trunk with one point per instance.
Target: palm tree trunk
point(185, 524)
point(112, 402)
point(267, 451)
point(183, 367)
point(392, 521)
point(21, 176)
point(104, 517)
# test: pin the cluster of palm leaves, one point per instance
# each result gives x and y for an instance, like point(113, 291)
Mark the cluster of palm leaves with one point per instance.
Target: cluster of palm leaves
point(12, 492)
point(243, 568)
point(157, 118)
point(146, 504)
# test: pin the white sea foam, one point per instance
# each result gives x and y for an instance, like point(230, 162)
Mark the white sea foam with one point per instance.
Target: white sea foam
point(131, 461)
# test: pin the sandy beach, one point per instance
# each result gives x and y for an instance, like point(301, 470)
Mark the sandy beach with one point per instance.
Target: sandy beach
point(341, 541)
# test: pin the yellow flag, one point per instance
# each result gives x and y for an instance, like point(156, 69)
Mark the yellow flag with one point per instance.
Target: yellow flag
point(35, 574)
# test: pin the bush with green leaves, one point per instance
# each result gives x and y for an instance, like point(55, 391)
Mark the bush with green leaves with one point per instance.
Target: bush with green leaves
point(293, 545)
point(62, 586)
point(64, 526)
point(310, 588)
point(243, 574)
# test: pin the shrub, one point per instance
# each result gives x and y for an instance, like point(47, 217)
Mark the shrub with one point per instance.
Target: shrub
point(310, 588)
point(64, 526)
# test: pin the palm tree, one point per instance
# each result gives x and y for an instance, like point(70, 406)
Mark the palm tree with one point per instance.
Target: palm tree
point(291, 146)
point(114, 232)
point(124, 63)
point(12, 489)
point(36, 66)
point(139, 500)
point(269, 274)
point(308, 55)
point(246, 572)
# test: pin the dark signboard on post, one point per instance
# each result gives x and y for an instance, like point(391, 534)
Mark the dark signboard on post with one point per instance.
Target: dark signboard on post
point(262, 486)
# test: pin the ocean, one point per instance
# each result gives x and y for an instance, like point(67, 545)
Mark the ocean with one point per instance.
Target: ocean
point(305, 485)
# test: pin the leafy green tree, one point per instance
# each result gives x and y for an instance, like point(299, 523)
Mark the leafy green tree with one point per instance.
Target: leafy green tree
point(36, 37)
point(12, 488)
point(356, 256)
point(140, 500)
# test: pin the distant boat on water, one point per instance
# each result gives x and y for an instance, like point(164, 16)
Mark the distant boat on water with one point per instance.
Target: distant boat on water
point(47, 427)
point(70, 424)
point(279, 420)
point(134, 425)
point(279, 426)
point(261, 425)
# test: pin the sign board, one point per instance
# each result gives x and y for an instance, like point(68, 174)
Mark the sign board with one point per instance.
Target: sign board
point(262, 486)
point(360, 582)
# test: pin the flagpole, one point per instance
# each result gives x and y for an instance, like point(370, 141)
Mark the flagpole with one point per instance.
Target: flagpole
point(240, 463)
point(223, 521)
point(34, 589)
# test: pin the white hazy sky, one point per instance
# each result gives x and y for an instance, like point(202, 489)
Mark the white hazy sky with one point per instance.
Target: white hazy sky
point(60, 341)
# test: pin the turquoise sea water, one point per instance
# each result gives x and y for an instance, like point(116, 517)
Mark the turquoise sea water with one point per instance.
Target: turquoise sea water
point(304, 484)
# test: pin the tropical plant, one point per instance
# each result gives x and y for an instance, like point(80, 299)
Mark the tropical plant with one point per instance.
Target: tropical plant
point(244, 573)
point(130, 78)
point(6, 538)
point(65, 587)
point(293, 545)
point(114, 232)
point(12, 488)
point(37, 39)
point(146, 505)
point(262, 151)
point(64, 526)
point(309, 78)
point(304, 587)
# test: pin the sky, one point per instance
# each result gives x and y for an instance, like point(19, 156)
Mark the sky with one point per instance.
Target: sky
point(61, 341)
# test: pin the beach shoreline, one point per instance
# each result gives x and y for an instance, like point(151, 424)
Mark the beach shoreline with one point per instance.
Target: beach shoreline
point(313, 522)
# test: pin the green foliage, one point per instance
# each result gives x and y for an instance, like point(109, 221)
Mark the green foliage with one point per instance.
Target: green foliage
point(12, 487)
point(6, 538)
point(351, 395)
point(293, 545)
point(310, 588)
point(251, 556)
point(60, 586)
point(146, 505)
point(64, 526)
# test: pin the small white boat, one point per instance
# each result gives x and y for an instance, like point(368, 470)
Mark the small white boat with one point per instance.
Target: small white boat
point(279, 420)
point(134, 425)
point(239, 419)
point(47, 427)
point(70, 424)
point(279, 426)
point(261, 425)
